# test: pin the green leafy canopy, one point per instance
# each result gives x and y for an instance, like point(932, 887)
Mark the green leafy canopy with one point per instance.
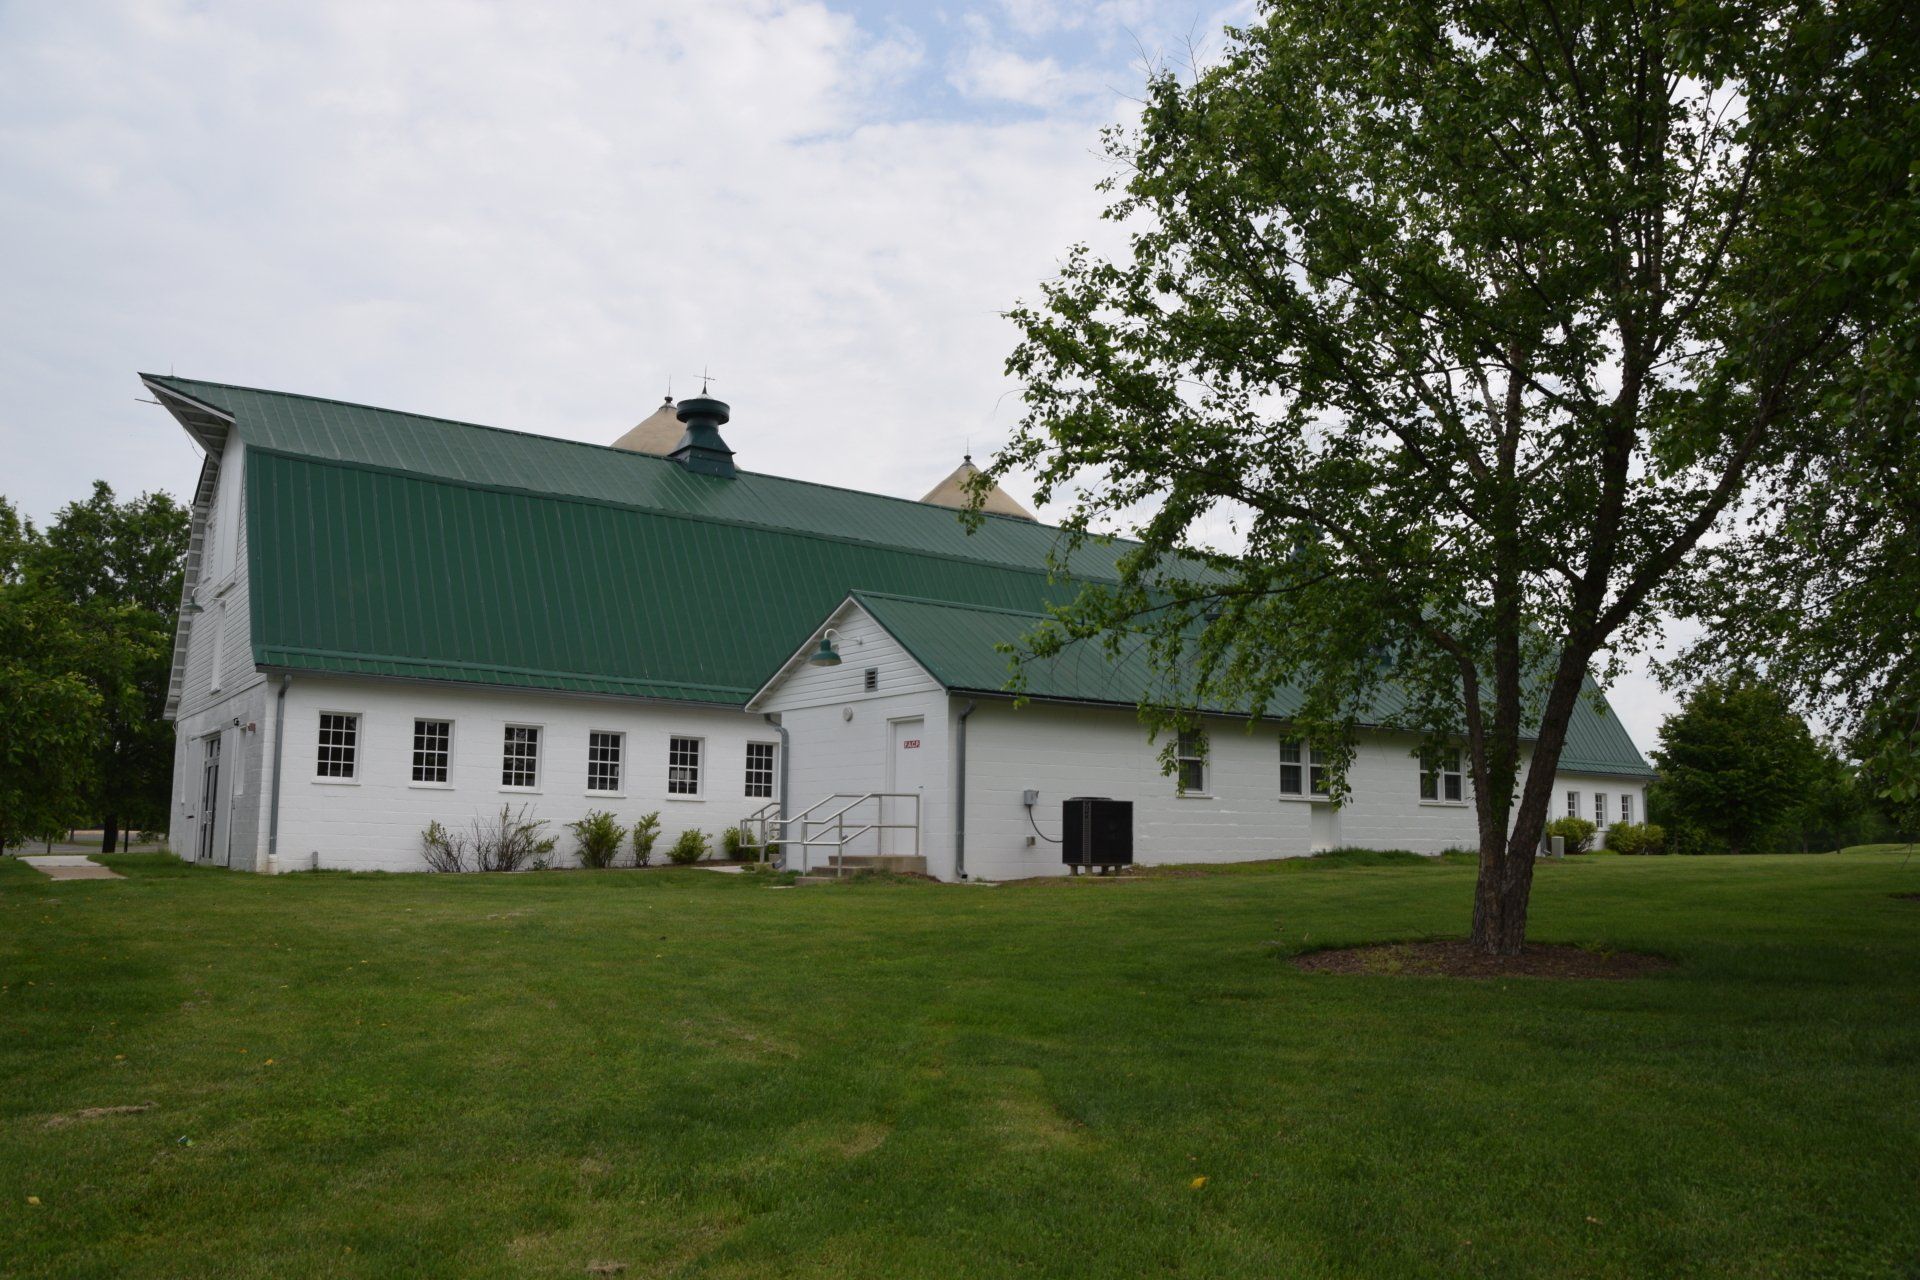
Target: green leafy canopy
point(1446, 337)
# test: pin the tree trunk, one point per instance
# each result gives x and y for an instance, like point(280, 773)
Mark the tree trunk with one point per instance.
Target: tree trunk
point(110, 836)
point(1505, 884)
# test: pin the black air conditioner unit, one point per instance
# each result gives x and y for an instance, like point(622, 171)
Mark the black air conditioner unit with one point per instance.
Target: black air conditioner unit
point(1096, 832)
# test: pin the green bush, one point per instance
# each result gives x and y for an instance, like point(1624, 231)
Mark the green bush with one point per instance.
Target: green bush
point(730, 845)
point(1577, 832)
point(600, 836)
point(692, 846)
point(1637, 838)
point(646, 830)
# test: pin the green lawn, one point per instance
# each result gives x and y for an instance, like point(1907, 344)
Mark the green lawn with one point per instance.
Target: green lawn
point(694, 1074)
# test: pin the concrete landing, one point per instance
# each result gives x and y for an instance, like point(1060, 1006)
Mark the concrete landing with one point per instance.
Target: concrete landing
point(62, 866)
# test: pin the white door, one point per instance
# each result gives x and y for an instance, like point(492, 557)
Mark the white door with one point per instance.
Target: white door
point(905, 775)
point(209, 796)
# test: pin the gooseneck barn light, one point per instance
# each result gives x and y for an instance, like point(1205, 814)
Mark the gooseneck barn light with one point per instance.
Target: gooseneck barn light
point(825, 656)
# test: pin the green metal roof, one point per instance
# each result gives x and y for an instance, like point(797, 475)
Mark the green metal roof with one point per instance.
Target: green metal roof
point(330, 430)
point(359, 569)
point(391, 544)
point(957, 643)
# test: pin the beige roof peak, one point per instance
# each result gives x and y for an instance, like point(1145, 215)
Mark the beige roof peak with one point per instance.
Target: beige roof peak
point(953, 492)
point(657, 433)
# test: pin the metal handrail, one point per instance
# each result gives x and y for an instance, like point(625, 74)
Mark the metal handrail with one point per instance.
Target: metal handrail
point(814, 830)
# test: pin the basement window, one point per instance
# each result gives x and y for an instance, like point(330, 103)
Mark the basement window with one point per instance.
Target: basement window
point(683, 766)
point(432, 751)
point(604, 752)
point(520, 757)
point(1442, 780)
point(760, 770)
point(339, 746)
point(1191, 761)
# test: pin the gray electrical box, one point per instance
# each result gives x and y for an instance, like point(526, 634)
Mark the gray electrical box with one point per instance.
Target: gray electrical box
point(1029, 798)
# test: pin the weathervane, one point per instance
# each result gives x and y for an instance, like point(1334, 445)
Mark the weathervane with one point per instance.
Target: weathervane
point(705, 377)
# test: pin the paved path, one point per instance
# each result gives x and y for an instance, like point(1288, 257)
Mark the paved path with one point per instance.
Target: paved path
point(62, 866)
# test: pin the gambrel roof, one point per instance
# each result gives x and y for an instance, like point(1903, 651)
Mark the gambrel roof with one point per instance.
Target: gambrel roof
point(391, 544)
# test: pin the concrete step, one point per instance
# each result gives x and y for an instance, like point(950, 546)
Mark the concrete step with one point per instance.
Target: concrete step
point(898, 863)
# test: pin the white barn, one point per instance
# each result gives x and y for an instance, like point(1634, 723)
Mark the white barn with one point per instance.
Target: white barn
point(391, 620)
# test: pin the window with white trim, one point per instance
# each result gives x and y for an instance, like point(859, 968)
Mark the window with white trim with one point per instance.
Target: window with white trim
point(1600, 810)
point(683, 766)
point(520, 757)
point(1303, 770)
point(1626, 806)
point(432, 751)
point(1190, 757)
point(339, 745)
point(760, 770)
point(1443, 779)
point(605, 750)
point(1573, 804)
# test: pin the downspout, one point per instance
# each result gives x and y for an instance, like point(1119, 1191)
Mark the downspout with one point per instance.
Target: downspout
point(273, 805)
point(773, 718)
point(960, 796)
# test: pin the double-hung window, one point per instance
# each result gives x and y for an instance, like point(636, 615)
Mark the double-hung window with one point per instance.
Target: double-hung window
point(339, 746)
point(1573, 804)
point(1303, 770)
point(604, 752)
point(520, 757)
point(760, 770)
point(1190, 759)
point(1600, 810)
point(432, 751)
point(1626, 806)
point(683, 766)
point(1443, 780)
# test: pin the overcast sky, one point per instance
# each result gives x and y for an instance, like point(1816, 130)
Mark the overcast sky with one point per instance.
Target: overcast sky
point(534, 216)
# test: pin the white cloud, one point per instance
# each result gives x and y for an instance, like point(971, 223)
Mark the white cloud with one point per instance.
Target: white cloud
point(531, 217)
point(1006, 76)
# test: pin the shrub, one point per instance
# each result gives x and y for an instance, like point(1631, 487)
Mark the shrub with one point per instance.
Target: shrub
point(1577, 832)
point(444, 850)
point(511, 843)
point(1635, 838)
point(689, 848)
point(600, 837)
point(646, 830)
point(730, 845)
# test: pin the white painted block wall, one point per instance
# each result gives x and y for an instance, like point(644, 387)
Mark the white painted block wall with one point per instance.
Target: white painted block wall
point(849, 737)
point(373, 823)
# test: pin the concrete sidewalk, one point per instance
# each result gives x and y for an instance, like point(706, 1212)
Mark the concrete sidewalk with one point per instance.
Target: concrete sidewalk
point(70, 867)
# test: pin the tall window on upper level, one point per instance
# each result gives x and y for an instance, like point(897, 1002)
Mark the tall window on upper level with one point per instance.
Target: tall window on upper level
point(339, 745)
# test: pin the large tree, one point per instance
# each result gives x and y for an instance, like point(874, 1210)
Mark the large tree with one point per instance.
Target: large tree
point(118, 564)
point(1735, 762)
point(1446, 333)
point(50, 715)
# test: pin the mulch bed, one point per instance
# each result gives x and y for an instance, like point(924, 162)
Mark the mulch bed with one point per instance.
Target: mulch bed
point(1461, 960)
